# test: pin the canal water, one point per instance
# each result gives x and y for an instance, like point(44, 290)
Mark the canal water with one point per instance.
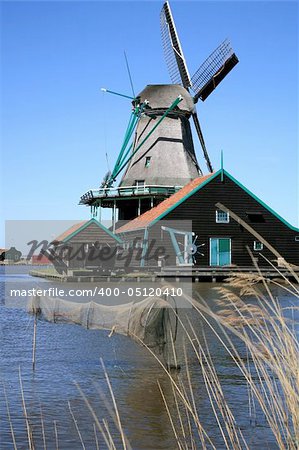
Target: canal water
point(68, 356)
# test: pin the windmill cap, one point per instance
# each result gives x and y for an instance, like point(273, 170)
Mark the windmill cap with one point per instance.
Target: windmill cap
point(161, 96)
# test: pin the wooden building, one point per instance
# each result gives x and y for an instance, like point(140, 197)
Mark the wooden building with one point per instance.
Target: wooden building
point(86, 245)
point(228, 222)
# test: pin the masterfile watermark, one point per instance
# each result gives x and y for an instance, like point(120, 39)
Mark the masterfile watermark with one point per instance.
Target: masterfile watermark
point(100, 291)
point(52, 292)
point(63, 260)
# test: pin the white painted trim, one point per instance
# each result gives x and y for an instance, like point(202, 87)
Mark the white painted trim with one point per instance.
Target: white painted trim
point(258, 249)
point(222, 221)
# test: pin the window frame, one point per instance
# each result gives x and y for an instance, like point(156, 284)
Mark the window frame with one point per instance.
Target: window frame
point(257, 244)
point(218, 253)
point(219, 211)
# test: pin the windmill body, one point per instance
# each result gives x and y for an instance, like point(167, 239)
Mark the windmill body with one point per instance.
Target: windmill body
point(168, 156)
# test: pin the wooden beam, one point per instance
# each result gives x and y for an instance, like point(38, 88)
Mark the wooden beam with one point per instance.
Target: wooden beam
point(250, 229)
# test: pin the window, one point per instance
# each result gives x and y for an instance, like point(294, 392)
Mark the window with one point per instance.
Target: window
point(147, 161)
point(222, 216)
point(258, 246)
point(297, 238)
point(255, 217)
point(140, 186)
point(220, 251)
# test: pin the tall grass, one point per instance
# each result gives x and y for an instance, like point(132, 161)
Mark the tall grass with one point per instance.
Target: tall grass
point(252, 315)
point(247, 312)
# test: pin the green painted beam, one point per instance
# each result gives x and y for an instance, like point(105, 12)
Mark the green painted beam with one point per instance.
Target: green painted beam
point(172, 106)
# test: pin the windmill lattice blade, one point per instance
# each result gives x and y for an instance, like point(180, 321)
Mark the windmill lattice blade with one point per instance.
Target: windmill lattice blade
point(213, 70)
point(202, 141)
point(174, 56)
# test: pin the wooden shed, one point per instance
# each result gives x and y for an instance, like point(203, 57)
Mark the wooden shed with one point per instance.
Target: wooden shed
point(84, 244)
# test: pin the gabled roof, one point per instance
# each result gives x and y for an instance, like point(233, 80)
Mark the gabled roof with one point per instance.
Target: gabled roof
point(260, 201)
point(69, 231)
point(76, 228)
point(164, 207)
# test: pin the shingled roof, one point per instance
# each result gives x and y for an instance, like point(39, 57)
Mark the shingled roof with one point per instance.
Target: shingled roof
point(70, 231)
point(80, 226)
point(161, 209)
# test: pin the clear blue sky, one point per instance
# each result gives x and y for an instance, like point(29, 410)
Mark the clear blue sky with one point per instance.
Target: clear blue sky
point(56, 125)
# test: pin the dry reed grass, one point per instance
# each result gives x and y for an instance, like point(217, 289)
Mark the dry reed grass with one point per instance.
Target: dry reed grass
point(247, 312)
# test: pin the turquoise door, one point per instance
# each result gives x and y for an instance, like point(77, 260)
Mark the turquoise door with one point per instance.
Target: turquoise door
point(220, 251)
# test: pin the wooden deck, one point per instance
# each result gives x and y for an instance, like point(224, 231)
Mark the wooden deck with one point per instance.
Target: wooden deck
point(220, 273)
point(176, 273)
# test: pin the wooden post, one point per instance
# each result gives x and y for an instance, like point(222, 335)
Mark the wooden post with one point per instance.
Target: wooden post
point(34, 340)
point(113, 216)
point(100, 211)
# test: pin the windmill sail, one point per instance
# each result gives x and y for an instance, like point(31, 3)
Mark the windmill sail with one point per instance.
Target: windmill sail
point(177, 66)
point(213, 70)
point(174, 56)
point(202, 141)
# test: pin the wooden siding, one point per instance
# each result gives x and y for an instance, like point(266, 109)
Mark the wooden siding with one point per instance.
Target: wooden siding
point(130, 258)
point(92, 233)
point(200, 207)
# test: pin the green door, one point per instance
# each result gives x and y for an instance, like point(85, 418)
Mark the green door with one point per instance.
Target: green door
point(220, 251)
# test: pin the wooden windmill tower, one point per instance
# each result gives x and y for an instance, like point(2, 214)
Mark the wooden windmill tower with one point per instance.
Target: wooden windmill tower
point(161, 158)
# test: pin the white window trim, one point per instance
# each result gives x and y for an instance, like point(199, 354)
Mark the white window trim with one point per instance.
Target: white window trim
point(222, 221)
point(255, 243)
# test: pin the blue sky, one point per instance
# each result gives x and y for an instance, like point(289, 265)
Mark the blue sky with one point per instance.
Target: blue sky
point(56, 125)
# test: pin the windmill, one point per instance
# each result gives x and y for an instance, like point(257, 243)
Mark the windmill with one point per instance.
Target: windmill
point(171, 150)
point(211, 72)
point(158, 157)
